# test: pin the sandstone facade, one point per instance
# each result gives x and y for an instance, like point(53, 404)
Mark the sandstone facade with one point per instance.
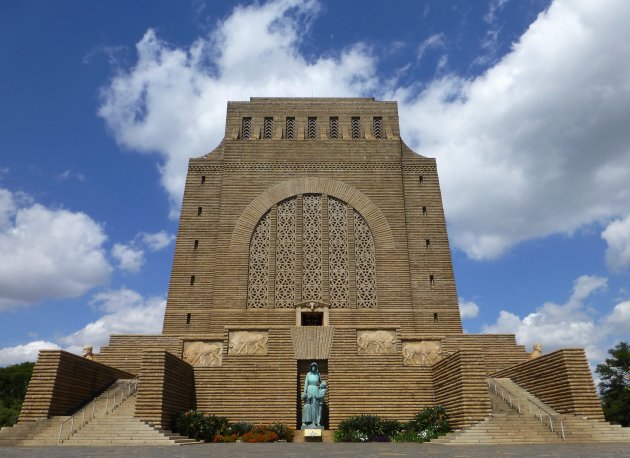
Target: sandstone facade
point(313, 233)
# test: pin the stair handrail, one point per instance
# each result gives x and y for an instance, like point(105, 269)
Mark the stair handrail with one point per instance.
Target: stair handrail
point(112, 401)
point(493, 383)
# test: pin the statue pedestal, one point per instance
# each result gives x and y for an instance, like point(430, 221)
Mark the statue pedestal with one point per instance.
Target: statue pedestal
point(312, 432)
point(318, 435)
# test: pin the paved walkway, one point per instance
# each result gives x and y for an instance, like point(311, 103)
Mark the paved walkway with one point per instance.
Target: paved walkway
point(324, 450)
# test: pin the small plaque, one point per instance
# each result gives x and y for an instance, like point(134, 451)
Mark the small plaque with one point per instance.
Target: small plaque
point(312, 432)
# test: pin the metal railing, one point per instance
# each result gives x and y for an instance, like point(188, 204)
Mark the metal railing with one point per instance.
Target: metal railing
point(87, 413)
point(535, 409)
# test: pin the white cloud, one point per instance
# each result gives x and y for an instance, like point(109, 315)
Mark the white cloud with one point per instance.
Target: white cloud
point(619, 319)
point(468, 309)
point(538, 144)
point(617, 235)
point(172, 102)
point(69, 174)
point(559, 325)
point(156, 241)
point(435, 41)
point(130, 256)
point(129, 259)
point(24, 353)
point(47, 253)
point(126, 312)
point(495, 7)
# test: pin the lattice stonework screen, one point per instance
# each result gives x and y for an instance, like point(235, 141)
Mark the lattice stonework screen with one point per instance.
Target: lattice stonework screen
point(258, 284)
point(312, 248)
point(366, 273)
point(285, 254)
point(338, 253)
point(342, 221)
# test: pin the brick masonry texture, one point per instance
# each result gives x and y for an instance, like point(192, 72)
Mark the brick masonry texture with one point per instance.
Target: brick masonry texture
point(345, 221)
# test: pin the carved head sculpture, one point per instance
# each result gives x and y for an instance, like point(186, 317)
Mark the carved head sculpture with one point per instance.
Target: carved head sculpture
point(88, 351)
point(537, 353)
point(314, 368)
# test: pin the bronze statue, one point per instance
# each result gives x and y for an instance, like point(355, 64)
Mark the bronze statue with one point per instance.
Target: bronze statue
point(313, 397)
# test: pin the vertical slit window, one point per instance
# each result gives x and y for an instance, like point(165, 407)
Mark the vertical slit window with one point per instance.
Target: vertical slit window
point(246, 128)
point(428, 242)
point(199, 209)
point(334, 127)
point(311, 128)
point(424, 210)
point(188, 317)
point(196, 244)
point(290, 128)
point(420, 179)
point(268, 128)
point(432, 279)
point(355, 127)
point(203, 179)
point(377, 127)
point(192, 280)
point(435, 318)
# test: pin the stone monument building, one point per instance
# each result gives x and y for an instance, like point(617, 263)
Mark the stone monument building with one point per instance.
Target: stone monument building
point(312, 233)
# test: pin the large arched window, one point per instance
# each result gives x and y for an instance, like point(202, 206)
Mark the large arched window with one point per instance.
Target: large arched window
point(311, 247)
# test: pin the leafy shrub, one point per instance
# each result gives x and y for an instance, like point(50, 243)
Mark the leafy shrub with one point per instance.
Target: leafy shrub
point(198, 426)
point(260, 434)
point(392, 427)
point(366, 425)
point(283, 431)
point(211, 428)
point(240, 428)
point(349, 436)
point(227, 438)
point(432, 418)
point(426, 425)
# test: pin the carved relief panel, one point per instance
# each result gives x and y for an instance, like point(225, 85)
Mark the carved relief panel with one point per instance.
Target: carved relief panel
point(248, 343)
point(421, 353)
point(379, 342)
point(203, 353)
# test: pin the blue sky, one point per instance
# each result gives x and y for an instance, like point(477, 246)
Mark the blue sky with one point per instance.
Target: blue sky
point(525, 104)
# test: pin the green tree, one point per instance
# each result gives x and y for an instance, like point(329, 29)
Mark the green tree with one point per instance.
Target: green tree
point(615, 384)
point(13, 383)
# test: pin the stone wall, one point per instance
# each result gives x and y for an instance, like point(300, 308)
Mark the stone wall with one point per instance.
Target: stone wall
point(123, 353)
point(396, 191)
point(459, 385)
point(561, 379)
point(374, 382)
point(62, 382)
point(499, 350)
point(166, 388)
point(257, 388)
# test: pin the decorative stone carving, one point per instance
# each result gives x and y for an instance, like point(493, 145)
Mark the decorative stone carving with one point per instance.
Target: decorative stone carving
point(338, 253)
point(376, 342)
point(258, 285)
point(203, 353)
point(365, 263)
point(88, 352)
point(422, 353)
point(312, 247)
point(248, 343)
point(537, 353)
point(285, 254)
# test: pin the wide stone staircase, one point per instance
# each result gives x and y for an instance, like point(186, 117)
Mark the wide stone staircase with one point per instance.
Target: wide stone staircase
point(108, 421)
point(518, 417)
